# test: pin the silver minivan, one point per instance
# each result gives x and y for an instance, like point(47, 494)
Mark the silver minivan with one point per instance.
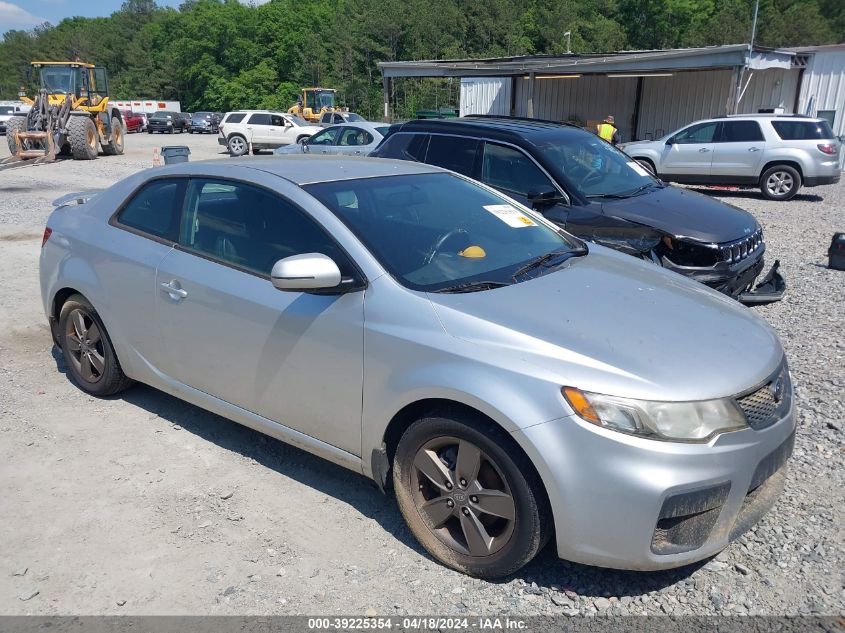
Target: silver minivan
point(777, 153)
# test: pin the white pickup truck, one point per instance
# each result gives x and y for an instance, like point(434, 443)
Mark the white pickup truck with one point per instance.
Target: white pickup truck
point(262, 129)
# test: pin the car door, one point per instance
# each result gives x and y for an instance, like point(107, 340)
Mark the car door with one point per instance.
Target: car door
point(738, 152)
point(324, 142)
point(294, 358)
point(258, 128)
point(279, 131)
point(514, 173)
point(689, 153)
point(353, 141)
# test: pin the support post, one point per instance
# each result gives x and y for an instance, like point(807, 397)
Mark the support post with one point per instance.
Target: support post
point(635, 128)
point(735, 91)
point(385, 83)
point(530, 109)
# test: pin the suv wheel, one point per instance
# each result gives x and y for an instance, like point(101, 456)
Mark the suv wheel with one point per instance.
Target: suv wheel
point(237, 145)
point(647, 164)
point(780, 182)
point(471, 500)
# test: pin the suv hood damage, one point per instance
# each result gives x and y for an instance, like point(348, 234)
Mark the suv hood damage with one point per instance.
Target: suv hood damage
point(685, 214)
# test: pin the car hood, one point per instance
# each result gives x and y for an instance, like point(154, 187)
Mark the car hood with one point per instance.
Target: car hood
point(293, 148)
point(611, 324)
point(685, 213)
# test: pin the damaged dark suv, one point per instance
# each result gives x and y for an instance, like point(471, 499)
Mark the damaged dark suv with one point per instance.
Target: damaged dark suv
point(596, 192)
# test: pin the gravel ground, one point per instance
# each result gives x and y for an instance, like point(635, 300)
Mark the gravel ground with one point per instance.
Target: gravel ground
point(144, 504)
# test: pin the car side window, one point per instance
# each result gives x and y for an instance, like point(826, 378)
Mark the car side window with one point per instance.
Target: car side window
point(453, 152)
point(355, 136)
point(259, 118)
point(337, 119)
point(237, 117)
point(740, 132)
point(701, 133)
point(326, 137)
point(155, 209)
point(510, 169)
point(404, 146)
point(249, 227)
point(277, 120)
point(326, 117)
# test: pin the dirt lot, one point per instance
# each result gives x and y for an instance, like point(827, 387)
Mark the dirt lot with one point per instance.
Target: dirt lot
point(143, 504)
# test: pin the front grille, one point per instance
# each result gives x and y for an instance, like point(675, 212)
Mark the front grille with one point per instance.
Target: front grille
point(733, 252)
point(764, 407)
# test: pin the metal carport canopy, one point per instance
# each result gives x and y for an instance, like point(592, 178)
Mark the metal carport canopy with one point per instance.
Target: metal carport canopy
point(727, 56)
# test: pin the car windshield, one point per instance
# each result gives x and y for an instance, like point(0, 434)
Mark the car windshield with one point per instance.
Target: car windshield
point(202, 115)
point(440, 232)
point(352, 117)
point(161, 115)
point(7, 110)
point(383, 129)
point(594, 168)
point(297, 121)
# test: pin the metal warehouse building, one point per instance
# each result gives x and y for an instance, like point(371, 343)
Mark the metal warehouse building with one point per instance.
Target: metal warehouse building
point(651, 93)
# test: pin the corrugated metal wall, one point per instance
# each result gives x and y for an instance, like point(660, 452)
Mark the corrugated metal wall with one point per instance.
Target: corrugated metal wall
point(581, 99)
point(486, 95)
point(774, 88)
point(824, 83)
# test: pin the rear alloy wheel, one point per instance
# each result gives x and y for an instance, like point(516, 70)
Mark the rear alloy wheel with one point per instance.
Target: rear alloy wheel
point(780, 182)
point(468, 497)
point(237, 145)
point(87, 350)
point(82, 135)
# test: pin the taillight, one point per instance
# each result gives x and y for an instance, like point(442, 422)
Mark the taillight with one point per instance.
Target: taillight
point(47, 233)
point(827, 148)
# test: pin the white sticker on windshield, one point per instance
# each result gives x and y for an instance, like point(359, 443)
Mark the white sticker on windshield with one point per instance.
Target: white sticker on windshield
point(510, 215)
point(642, 171)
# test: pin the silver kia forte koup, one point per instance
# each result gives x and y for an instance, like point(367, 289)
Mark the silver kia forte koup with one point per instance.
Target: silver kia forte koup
point(513, 383)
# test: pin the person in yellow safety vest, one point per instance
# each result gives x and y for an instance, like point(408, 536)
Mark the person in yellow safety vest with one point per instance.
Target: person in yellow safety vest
point(608, 131)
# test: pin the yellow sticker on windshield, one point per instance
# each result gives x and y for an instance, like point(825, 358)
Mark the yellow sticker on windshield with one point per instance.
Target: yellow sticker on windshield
point(510, 215)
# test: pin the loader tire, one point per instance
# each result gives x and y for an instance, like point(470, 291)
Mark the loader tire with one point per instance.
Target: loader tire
point(115, 146)
point(15, 124)
point(82, 135)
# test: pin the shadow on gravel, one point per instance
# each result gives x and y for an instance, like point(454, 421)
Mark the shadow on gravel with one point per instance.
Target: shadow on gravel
point(754, 195)
point(546, 570)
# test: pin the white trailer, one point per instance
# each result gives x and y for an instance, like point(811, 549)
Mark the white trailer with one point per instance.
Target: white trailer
point(147, 106)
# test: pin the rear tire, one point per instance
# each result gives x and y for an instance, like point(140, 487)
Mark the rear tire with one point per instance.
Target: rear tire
point(780, 182)
point(237, 145)
point(15, 124)
point(82, 135)
point(115, 146)
point(480, 474)
point(87, 350)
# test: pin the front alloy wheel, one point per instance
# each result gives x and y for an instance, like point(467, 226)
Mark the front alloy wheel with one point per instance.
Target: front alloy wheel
point(469, 494)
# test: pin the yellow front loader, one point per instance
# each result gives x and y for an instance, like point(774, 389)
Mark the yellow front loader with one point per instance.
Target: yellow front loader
point(313, 102)
point(70, 115)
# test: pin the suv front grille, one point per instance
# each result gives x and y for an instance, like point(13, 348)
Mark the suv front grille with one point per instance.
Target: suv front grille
point(733, 252)
point(764, 407)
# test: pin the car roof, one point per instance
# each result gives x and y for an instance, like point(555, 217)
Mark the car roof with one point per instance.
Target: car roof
point(303, 170)
point(372, 126)
point(514, 129)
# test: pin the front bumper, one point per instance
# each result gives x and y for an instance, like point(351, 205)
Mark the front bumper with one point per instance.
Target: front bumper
point(736, 280)
point(629, 503)
point(202, 128)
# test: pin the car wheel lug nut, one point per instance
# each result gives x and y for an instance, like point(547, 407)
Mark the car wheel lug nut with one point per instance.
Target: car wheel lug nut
point(450, 503)
point(474, 499)
point(448, 486)
point(463, 482)
point(466, 512)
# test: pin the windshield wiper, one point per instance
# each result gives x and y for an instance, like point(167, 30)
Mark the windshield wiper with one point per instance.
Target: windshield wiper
point(622, 196)
point(542, 259)
point(473, 286)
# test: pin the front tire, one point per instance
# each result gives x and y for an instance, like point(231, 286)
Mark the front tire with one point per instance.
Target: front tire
point(469, 496)
point(647, 165)
point(82, 135)
point(87, 350)
point(780, 182)
point(15, 124)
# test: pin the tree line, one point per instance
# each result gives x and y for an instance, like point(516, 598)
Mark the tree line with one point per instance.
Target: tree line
point(222, 54)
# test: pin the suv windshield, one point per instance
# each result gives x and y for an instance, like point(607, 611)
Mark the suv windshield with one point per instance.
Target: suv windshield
point(202, 115)
point(161, 115)
point(440, 232)
point(7, 110)
point(297, 121)
point(352, 117)
point(594, 168)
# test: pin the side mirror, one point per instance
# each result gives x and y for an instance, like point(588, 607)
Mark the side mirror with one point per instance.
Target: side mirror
point(544, 197)
point(670, 140)
point(301, 273)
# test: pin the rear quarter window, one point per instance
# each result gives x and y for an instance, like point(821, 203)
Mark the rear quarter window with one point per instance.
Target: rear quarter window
point(155, 209)
point(802, 130)
point(235, 117)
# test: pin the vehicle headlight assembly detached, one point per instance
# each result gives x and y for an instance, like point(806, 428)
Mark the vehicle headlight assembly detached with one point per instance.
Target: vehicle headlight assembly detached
point(669, 421)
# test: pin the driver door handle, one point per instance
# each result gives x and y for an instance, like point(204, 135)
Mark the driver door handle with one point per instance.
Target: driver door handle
point(174, 290)
point(703, 150)
point(753, 149)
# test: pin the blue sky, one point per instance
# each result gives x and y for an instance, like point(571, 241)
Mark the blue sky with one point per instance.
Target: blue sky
point(25, 14)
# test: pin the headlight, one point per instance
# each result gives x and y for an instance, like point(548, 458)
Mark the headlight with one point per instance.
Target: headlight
point(170, 123)
point(686, 421)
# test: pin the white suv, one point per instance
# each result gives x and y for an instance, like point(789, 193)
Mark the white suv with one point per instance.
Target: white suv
point(777, 153)
point(243, 130)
